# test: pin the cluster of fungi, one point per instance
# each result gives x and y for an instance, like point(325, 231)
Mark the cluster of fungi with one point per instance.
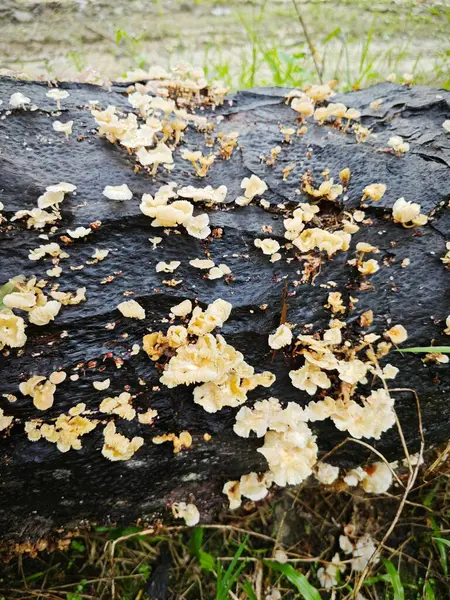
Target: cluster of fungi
point(344, 375)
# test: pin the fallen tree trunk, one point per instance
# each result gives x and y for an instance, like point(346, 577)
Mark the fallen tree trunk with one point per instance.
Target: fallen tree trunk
point(44, 489)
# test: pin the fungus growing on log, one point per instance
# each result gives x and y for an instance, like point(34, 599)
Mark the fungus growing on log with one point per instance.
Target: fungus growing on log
point(309, 342)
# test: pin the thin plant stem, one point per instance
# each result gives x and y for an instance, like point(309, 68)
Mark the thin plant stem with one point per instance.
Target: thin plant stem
point(309, 41)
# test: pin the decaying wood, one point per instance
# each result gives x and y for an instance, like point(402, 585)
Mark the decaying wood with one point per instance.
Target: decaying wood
point(42, 489)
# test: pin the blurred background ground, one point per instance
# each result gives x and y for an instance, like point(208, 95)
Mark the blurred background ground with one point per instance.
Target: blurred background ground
point(243, 43)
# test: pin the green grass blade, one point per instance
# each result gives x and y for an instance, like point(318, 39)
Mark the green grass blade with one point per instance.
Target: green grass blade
point(431, 496)
point(441, 545)
point(248, 589)
point(196, 540)
point(236, 557)
point(442, 541)
point(429, 592)
point(205, 559)
point(426, 349)
point(35, 576)
point(332, 35)
point(226, 580)
point(219, 577)
point(396, 582)
point(365, 50)
point(307, 591)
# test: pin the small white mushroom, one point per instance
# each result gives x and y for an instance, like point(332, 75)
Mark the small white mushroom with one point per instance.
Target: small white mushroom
point(65, 128)
point(18, 100)
point(118, 192)
point(102, 385)
point(79, 232)
point(57, 95)
point(132, 309)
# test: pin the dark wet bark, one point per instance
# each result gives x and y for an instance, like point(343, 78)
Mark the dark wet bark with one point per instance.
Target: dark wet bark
point(43, 489)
